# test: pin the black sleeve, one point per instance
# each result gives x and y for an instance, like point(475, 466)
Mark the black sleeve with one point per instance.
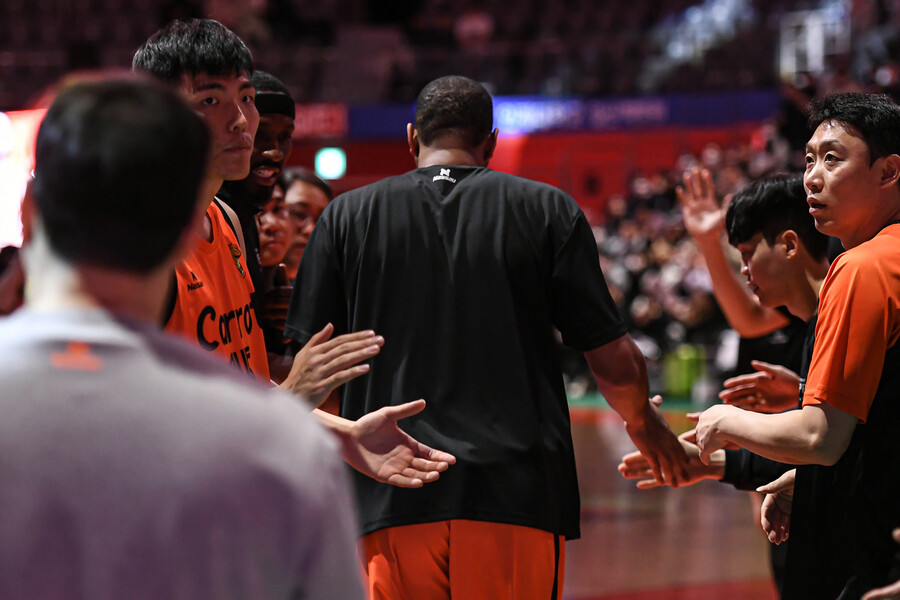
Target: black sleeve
point(747, 471)
point(582, 308)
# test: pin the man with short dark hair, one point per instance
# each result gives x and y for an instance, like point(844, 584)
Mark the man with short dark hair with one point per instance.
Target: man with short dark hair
point(468, 271)
point(212, 292)
point(784, 262)
point(134, 464)
point(851, 179)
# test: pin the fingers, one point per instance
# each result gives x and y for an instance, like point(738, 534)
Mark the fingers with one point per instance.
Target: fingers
point(401, 411)
point(344, 352)
point(784, 482)
point(656, 400)
point(279, 276)
point(438, 456)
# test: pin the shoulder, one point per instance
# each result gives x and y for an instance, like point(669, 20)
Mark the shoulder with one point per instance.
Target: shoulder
point(881, 254)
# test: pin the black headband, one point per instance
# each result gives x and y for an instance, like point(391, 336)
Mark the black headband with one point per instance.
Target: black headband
point(268, 103)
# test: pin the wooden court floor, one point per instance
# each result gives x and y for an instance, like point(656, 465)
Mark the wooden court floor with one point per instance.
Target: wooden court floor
point(695, 543)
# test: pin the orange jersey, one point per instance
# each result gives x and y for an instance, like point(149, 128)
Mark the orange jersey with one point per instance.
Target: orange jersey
point(859, 320)
point(212, 304)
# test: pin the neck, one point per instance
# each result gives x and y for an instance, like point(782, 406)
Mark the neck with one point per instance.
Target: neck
point(463, 157)
point(54, 285)
point(208, 190)
point(805, 299)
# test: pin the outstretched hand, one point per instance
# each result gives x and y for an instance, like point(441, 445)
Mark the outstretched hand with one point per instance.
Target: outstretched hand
point(324, 364)
point(704, 218)
point(654, 439)
point(771, 389)
point(775, 516)
point(377, 447)
point(635, 466)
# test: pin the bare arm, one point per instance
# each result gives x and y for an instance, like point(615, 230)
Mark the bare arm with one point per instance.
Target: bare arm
point(621, 375)
point(704, 219)
point(815, 434)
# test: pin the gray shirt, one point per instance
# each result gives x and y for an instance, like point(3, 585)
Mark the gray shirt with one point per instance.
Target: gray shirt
point(134, 466)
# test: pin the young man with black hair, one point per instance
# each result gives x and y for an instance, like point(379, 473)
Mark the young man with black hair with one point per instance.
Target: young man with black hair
point(272, 146)
point(468, 271)
point(212, 304)
point(784, 260)
point(131, 458)
point(851, 179)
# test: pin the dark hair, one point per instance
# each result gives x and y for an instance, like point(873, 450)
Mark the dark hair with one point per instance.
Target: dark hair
point(305, 175)
point(266, 82)
point(191, 47)
point(771, 206)
point(454, 105)
point(875, 116)
point(118, 166)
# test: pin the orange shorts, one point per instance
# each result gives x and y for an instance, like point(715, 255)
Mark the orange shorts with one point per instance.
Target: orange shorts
point(474, 560)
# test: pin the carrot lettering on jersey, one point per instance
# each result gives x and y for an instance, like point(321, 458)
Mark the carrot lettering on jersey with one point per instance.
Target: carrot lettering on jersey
point(239, 320)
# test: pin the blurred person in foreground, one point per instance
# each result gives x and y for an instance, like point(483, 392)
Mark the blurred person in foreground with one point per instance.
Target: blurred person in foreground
point(134, 464)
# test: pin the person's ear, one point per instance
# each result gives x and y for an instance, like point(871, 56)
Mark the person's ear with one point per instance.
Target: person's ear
point(412, 140)
point(890, 171)
point(490, 144)
point(791, 242)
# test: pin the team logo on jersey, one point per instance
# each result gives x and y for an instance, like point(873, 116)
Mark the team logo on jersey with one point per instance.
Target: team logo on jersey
point(195, 283)
point(76, 356)
point(444, 176)
point(236, 255)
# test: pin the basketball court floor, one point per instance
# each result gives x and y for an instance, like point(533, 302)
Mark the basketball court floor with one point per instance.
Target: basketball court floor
point(695, 543)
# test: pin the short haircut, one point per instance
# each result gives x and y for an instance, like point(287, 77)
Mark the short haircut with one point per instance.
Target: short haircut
point(454, 105)
point(266, 82)
point(303, 174)
point(875, 116)
point(118, 167)
point(771, 206)
point(191, 47)
point(272, 96)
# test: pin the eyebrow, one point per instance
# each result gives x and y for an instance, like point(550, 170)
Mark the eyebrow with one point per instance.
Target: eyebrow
point(826, 145)
point(214, 85)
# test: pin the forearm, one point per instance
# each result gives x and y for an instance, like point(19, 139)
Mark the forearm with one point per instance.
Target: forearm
point(621, 375)
point(795, 437)
point(342, 428)
point(739, 305)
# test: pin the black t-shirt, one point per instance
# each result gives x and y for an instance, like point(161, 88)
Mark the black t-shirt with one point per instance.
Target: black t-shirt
point(465, 272)
point(820, 555)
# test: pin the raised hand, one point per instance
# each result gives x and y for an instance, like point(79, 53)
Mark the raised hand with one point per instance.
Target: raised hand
point(775, 516)
point(771, 389)
point(704, 217)
point(324, 364)
point(375, 446)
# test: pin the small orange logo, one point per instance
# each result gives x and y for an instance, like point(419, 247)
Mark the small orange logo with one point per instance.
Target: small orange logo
point(78, 356)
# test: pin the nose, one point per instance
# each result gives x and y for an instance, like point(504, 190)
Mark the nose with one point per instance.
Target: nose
point(274, 154)
point(812, 178)
point(745, 269)
point(239, 120)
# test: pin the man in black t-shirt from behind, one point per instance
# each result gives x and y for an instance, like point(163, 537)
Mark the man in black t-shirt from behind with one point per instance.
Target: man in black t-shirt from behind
point(466, 272)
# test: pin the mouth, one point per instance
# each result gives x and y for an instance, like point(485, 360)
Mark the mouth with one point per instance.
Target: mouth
point(814, 205)
point(266, 173)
